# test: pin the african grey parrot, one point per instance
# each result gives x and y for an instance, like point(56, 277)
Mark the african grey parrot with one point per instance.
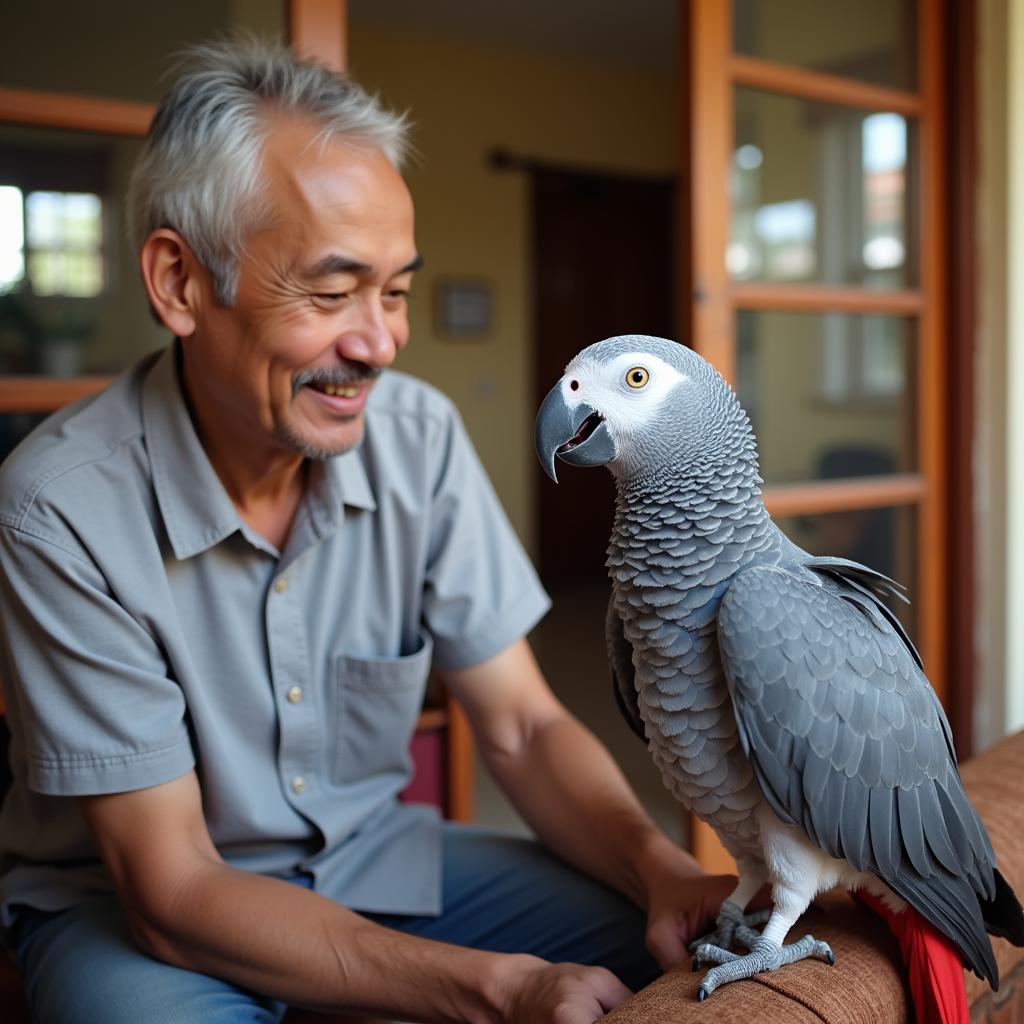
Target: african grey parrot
point(781, 699)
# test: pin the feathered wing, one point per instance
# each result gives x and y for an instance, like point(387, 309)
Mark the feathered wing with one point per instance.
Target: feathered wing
point(620, 661)
point(848, 742)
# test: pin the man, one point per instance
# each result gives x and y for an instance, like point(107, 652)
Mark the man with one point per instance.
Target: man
point(223, 583)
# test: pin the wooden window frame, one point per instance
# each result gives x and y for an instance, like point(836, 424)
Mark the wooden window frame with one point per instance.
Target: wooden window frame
point(711, 71)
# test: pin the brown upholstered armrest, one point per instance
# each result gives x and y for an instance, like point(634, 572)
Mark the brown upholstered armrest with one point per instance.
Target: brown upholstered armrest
point(866, 983)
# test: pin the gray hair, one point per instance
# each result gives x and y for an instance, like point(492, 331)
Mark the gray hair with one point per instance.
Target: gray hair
point(200, 172)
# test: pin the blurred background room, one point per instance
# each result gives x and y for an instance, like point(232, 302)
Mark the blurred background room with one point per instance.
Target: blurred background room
point(826, 200)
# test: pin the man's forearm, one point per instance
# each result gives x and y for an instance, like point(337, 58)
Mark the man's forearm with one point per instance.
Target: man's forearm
point(571, 792)
point(291, 944)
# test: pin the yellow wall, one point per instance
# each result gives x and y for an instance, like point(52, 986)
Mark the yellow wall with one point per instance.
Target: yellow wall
point(472, 220)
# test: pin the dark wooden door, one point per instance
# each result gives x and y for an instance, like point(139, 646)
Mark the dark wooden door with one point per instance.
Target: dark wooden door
point(603, 258)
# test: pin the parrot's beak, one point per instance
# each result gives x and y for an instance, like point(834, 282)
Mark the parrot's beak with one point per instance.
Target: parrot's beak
point(576, 434)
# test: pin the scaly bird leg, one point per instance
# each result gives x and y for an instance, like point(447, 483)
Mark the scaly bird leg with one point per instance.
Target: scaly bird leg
point(732, 924)
point(767, 953)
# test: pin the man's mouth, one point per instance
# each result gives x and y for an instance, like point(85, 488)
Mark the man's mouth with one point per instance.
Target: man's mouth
point(339, 390)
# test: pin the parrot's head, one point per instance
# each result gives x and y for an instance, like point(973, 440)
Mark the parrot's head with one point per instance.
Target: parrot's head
point(640, 405)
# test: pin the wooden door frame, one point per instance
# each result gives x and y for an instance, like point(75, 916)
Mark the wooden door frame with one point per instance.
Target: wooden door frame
point(961, 158)
point(941, 489)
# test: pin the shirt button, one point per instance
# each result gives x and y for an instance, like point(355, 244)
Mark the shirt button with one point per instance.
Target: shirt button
point(280, 584)
point(294, 695)
point(298, 784)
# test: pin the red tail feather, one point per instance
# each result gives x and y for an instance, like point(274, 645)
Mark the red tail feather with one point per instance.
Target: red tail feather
point(934, 967)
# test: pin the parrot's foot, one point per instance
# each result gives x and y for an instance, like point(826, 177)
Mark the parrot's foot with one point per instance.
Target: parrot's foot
point(732, 925)
point(764, 955)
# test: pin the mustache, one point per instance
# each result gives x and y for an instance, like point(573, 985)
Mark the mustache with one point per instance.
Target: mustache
point(338, 378)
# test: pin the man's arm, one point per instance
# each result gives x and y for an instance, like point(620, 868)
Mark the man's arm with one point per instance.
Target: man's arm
point(188, 908)
point(571, 792)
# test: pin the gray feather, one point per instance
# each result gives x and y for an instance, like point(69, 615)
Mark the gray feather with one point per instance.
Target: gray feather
point(620, 660)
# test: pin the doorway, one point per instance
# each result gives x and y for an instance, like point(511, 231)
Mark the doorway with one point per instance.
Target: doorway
point(603, 264)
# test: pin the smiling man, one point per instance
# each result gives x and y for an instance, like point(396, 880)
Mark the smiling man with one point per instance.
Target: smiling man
point(224, 581)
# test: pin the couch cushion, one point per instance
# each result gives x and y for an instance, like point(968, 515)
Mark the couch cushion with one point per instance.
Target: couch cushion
point(995, 784)
point(866, 985)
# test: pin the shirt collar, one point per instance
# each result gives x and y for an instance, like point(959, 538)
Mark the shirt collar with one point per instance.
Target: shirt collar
point(196, 509)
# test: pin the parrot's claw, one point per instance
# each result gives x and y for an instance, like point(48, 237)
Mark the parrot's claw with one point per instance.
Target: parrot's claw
point(732, 925)
point(764, 955)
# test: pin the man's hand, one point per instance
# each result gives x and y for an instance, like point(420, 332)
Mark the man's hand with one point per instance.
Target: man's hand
point(538, 992)
point(682, 901)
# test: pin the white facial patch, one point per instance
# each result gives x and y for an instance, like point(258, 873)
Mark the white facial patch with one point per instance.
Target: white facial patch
point(604, 387)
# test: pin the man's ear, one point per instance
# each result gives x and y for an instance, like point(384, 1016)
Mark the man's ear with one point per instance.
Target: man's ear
point(172, 275)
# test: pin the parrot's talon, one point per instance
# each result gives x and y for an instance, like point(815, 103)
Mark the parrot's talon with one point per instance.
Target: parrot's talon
point(764, 956)
point(696, 964)
point(702, 994)
point(830, 958)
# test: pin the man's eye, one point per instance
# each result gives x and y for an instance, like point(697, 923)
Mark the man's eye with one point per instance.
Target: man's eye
point(329, 298)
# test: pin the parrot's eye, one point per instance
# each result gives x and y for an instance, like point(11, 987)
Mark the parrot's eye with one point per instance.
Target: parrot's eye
point(637, 377)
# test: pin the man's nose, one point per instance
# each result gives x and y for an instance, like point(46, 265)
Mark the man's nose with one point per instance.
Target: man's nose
point(370, 340)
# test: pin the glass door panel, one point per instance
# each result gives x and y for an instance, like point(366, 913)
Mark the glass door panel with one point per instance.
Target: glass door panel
point(819, 194)
point(830, 396)
point(871, 40)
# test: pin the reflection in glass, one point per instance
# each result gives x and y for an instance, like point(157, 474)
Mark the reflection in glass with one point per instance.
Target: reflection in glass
point(884, 539)
point(819, 193)
point(872, 40)
point(829, 396)
point(71, 301)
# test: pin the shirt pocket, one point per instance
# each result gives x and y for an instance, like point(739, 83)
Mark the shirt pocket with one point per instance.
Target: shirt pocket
point(378, 703)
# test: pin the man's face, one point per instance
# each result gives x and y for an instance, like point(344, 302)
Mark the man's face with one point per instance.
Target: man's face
point(321, 303)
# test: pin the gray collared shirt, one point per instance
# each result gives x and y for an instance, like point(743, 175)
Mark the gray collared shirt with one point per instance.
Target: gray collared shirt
point(146, 630)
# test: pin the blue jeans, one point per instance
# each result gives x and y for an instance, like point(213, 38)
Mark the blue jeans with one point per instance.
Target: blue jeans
point(501, 893)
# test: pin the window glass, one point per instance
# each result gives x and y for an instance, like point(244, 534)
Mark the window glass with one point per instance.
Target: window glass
point(870, 40)
point(830, 396)
point(12, 237)
point(820, 193)
point(71, 300)
point(64, 231)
